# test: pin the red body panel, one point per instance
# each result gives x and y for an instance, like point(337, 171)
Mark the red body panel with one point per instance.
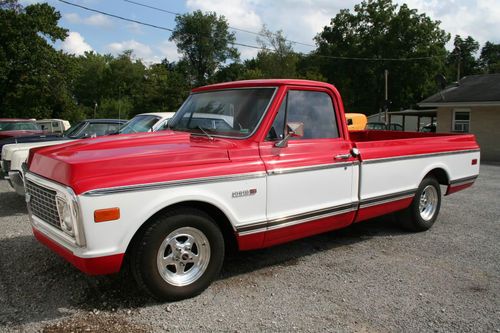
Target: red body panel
point(455, 188)
point(382, 209)
point(387, 144)
point(90, 266)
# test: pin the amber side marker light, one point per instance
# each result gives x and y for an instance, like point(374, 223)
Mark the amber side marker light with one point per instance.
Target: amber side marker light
point(108, 214)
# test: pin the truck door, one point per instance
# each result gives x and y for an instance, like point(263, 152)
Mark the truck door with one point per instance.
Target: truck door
point(310, 178)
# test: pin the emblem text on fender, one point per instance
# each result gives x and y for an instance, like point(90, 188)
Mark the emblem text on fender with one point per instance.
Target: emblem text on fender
point(244, 193)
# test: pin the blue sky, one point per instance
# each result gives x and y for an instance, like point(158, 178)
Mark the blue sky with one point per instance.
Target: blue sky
point(300, 20)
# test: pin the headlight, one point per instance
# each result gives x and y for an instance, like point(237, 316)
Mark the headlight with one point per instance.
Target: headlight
point(65, 216)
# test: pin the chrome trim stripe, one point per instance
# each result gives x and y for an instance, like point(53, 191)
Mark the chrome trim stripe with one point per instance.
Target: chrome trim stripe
point(295, 219)
point(397, 158)
point(174, 183)
point(387, 201)
point(311, 168)
point(465, 180)
point(387, 198)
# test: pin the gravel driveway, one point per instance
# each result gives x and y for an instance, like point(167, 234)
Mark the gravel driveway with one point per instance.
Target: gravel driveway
point(371, 277)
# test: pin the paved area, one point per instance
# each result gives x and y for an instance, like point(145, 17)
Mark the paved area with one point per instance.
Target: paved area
point(371, 277)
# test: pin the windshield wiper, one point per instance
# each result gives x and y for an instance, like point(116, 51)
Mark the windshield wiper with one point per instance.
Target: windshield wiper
point(206, 133)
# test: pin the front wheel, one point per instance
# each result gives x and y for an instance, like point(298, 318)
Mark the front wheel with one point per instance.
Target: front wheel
point(424, 209)
point(179, 255)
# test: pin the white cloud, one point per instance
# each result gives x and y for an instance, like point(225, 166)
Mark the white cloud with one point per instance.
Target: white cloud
point(478, 19)
point(95, 20)
point(75, 44)
point(168, 50)
point(239, 13)
point(139, 50)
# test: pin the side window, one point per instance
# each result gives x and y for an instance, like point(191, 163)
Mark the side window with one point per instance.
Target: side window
point(315, 110)
point(312, 108)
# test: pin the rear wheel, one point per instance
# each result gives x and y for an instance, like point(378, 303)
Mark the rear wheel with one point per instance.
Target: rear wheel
point(424, 209)
point(178, 255)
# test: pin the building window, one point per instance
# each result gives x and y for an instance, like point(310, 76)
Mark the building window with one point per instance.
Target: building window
point(461, 121)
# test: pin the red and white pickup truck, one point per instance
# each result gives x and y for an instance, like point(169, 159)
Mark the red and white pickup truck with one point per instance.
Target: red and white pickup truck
point(248, 163)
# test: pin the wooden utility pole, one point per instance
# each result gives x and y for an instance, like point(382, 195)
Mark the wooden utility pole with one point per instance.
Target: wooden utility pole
point(386, 101)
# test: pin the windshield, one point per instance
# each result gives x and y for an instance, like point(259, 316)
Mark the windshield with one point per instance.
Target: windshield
point(230, 113)
point(19, 126)
point(72, 132)
point(139, 124)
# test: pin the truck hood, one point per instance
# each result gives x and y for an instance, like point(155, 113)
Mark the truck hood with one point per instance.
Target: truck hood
point(10, 149)
point(132, 159)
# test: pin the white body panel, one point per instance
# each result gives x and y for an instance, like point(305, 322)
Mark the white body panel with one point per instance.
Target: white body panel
point(113, 237)
point(300, 192)
point(17, 153)
point(385, 177)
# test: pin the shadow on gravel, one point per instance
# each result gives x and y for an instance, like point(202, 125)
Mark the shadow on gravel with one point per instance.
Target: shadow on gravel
point(12, 204)
point(36, 284)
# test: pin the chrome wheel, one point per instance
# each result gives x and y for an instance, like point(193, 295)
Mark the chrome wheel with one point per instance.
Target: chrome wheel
point(183, 256)
point(428, 202)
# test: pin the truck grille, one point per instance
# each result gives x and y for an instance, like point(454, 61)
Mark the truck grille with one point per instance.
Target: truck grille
point(6, 166)
point(43, 203)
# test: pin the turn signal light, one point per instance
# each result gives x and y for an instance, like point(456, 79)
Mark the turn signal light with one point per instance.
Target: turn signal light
point(108, 214)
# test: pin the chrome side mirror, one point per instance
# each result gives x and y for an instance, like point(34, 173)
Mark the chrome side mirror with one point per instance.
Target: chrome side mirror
point(294, 130)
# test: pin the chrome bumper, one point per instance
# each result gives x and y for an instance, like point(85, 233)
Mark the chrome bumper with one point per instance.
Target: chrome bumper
point(16, 180)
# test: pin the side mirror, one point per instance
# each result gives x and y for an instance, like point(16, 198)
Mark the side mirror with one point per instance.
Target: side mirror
point(294, 130)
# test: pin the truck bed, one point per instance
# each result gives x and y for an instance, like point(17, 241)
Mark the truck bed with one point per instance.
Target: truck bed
point(388, 144)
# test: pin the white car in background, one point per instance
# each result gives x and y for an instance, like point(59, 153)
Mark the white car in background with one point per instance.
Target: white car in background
point(57, 126)
point(14, 155)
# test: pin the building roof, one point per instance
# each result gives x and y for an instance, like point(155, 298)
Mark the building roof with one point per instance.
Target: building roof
point(481, 89)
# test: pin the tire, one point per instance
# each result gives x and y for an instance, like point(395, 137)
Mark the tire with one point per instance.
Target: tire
point(424, 209)
point(178, 255)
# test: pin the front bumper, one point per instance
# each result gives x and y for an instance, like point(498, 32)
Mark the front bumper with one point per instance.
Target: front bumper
point(91, 266)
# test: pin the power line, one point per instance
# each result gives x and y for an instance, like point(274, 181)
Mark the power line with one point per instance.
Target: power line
point(146, 24)
point(230, 27)
point(116, 16)
point(240, 44)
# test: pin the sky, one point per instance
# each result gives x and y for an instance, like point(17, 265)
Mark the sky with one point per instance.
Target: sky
point(300, 21)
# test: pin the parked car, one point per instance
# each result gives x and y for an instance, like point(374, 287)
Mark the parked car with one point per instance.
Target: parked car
point(14, 155)
point(283, 166)
point(147, 122)
point(13, 127)
point(56, 126)
point(383, 127)
point(430, 128)
point(356, 121)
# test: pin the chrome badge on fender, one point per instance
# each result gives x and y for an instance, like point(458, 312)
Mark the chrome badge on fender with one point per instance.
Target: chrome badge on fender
point(245, 193)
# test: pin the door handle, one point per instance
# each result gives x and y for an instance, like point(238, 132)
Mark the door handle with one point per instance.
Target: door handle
point(342, 156)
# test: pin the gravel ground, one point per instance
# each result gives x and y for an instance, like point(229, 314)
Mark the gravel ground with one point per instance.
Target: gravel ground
point(371, 277)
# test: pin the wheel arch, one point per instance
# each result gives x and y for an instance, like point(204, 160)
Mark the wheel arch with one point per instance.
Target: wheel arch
point(217, 214)
point(439, 172)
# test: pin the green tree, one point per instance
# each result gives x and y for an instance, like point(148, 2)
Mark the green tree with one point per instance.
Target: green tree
point(463, 56)
point(33, 75)
point(490, 58)
point(205, 43)
point(277, 58)
point(381, 29)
